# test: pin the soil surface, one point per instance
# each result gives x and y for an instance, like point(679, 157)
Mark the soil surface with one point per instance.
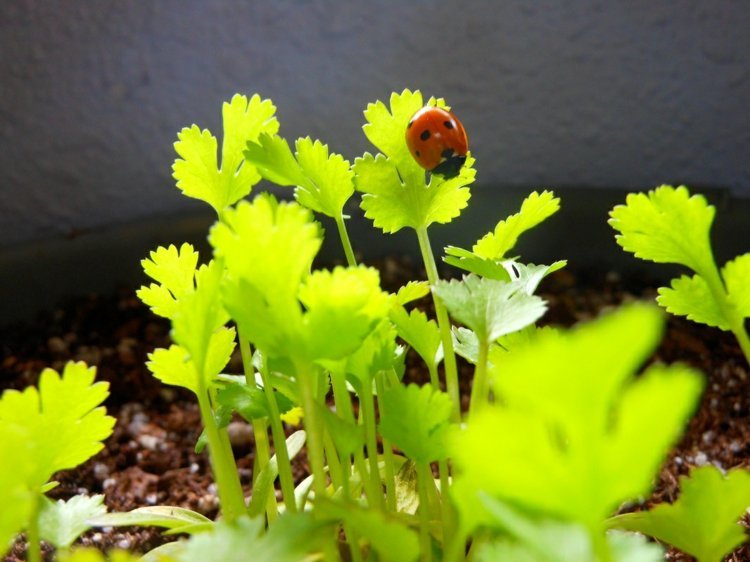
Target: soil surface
point(150, 458)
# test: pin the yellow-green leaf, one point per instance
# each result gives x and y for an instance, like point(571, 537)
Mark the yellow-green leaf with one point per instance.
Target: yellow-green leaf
point(704, 521)
point(667, 225)
point(691, 297)
point(197, 170)
point(536, 208)
point(736, 274)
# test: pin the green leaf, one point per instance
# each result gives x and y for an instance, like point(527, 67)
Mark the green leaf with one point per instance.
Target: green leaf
point(174, 365)
point(324, 182)
point(412, 291)
point(250, 402)
point(94, 555)
point(703, 522)
point(165, 516)
point(466, 344)
point(226, 541)
point(489, 308)
point(574, 432)
point(666, 225)
point(274, 160)
point(395, 192)
point(343, 306)
point(61, 421)
point(416, 420)
point(390, 539)
point(539, 540)
point(268, 249)
point(378, 352)
point(392, 203)
point(16, 496)
point(736, 274)
point(263, 485)
point(536, 208)
point(174, 272)
point(197, 171)
point(198, 324)
point(547, 540)
point(420, 333)
point(290, 539)
point(691, 297)
point(530, 275)
point(347, 437)
point(468, 261)
point(62, 522)
point(624, 548)
point(168, 552)
point(386, 127)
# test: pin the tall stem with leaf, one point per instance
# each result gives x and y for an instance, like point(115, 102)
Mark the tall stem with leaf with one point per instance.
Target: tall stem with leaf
point(396, 195)
point(449, 359)
point(669, 225)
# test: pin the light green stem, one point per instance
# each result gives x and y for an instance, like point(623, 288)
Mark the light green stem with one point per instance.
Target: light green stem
point(601, 546)
point(390, 471)
point(423, 474)
point(736, 322)
point(451, 370)
point(315, 446)
point(332, 458)
point(344, 409)
point(434, 379)
point(345, 242)
point(352, 536)
point(367, 412)
point(262, 456)
point(279, 441)
point(313, 427)
point(455, 548)
point(277, 429)
point(34, 548)
point(222, 462)
point(480, 390)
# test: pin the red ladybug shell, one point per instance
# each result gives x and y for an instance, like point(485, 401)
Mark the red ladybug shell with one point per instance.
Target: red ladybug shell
point(437, 140)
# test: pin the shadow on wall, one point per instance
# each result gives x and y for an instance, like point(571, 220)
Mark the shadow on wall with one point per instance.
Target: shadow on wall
point(38, 275)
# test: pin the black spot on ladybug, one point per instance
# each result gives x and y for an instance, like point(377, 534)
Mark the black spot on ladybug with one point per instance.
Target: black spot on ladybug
point(410, 124)
point(448, 124)
point(425, 135)
point(447, 153)
point(417, 154)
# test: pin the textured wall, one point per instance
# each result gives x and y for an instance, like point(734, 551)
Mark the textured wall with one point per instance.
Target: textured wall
point(582, 93)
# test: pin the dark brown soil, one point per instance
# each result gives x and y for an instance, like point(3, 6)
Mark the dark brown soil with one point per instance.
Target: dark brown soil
point(150, 459)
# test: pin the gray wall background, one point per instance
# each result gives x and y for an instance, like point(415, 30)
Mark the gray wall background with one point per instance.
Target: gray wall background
point(584, 93)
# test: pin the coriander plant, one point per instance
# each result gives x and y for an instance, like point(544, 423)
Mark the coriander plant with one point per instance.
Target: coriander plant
point(43, 430)
point(668, 225)
point(558, 433)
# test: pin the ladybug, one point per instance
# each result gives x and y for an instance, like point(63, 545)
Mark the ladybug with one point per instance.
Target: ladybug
point(437, 141)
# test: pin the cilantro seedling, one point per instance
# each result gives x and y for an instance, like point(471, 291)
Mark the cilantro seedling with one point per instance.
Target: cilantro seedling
point(323, 181)
point(197, 171)
point(416, 419)
point(190, 297)
point(54, 427)
point(397, 194)
point(491, 309)
point(574, 434)
point(703, 522)
point(571, 431)
point(668, 225)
